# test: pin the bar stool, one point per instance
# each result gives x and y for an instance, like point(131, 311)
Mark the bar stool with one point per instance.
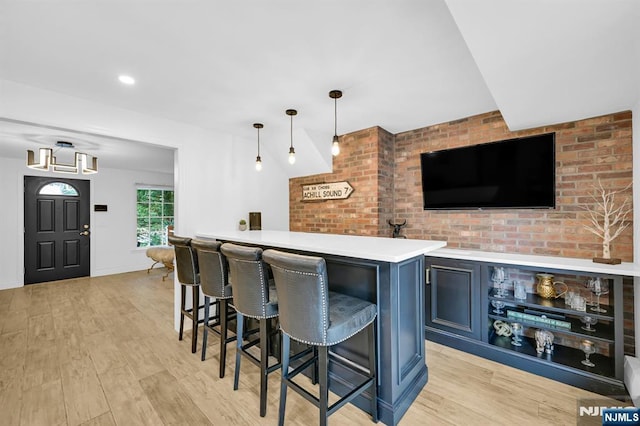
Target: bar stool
point(252, 298)
point(215, 284)
point(188, 276)
point(311, 314)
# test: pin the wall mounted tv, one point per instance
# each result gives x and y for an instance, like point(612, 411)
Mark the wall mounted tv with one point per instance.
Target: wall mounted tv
point(514, 173)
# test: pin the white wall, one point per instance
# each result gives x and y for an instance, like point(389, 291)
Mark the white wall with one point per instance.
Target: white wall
point(113, 233)
point(214, 176)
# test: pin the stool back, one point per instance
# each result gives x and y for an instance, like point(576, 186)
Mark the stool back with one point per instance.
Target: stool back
point(249, 281)
point(303, 295)
point(214, 279)
point(186, 260)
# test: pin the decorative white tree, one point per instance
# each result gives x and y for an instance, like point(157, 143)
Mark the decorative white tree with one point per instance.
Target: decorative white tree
point(608, 220)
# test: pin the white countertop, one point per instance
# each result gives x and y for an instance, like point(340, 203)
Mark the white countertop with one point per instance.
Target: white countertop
point(373, 248)
point(567, 263)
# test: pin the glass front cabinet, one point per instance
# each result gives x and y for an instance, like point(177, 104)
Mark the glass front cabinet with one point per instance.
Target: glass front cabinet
point(565, 325)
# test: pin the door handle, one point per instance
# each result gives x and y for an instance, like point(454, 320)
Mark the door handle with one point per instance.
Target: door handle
point(427, 276)
point(85, 233)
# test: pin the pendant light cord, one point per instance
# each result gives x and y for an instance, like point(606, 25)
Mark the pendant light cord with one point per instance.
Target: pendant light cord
point(291, 135)
point(258, 141)
point(335, 116)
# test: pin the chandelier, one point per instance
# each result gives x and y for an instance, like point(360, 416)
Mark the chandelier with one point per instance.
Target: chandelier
point(87, 164)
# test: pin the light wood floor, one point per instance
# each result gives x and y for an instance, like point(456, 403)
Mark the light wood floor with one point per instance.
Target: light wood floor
point(103, 351)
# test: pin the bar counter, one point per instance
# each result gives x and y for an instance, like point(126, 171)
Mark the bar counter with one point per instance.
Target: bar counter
point(385, 271)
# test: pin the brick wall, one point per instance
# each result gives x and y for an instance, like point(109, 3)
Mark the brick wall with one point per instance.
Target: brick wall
point(586, 150)
point(366, 162)
point(385, 172)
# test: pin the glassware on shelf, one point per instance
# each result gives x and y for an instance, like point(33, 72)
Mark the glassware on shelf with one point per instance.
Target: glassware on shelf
point(588, 347)
point(498, 305)
point(517, 330)
point(588, 322)
point(519, 290)
point(589, 286)
point(497, 277)
point(599, 287)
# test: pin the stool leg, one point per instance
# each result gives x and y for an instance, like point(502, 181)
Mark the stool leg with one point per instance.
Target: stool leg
point(239, 339)
point(223, 335)
point(205, 330)
point(264, 364)
point(195, 293)
point(323, 367)
point(183, 297)
point(372, 371)
point(285, 376)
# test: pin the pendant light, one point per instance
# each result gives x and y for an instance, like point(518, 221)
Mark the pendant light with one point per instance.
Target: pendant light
point(292, 152)
point(258, 126)
point(335, 146)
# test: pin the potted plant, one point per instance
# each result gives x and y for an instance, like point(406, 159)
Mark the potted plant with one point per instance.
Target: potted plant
point(243, 225)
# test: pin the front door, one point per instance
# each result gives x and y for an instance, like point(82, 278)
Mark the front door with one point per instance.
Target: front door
point(56, 229)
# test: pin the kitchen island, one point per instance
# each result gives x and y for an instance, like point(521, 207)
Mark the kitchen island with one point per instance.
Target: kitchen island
point(385, 271)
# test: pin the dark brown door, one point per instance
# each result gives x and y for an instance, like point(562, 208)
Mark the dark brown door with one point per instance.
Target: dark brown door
point(56, 229)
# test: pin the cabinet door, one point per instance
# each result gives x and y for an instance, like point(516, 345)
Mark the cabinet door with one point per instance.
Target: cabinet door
point(453, 297)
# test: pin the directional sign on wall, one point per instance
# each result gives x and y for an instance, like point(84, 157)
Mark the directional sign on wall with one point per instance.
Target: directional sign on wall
point(326, 191)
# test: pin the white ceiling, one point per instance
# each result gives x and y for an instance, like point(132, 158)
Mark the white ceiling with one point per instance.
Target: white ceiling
point(401, 64)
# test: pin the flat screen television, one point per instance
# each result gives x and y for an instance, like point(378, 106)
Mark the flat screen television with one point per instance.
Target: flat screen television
point(513, 173)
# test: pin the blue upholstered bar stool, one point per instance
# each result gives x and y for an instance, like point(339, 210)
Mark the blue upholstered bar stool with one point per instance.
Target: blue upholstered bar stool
point(252, 298)
point(214, 281)
point(311, 314)
point(189, 276)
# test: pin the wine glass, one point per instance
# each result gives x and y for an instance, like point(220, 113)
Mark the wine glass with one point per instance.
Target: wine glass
point(589, 286)
point(599, 287)
point(497, 277)
point(516, 329)
point(588, 347)
point(588, 322)
point(498, 305)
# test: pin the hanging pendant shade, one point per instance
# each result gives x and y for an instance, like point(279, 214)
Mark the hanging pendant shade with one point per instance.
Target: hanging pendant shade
point(292, 152)
point(335, 145)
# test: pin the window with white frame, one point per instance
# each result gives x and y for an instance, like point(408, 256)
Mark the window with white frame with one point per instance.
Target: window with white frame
point(154, 216)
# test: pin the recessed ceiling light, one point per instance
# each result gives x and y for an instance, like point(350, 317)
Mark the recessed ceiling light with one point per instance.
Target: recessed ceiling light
point(126, 79)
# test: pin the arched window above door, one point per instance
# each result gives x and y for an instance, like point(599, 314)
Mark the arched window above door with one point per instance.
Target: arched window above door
point(59, 188)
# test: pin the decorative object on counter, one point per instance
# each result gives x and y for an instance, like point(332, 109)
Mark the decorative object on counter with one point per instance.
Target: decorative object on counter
point(335, 146)
point(517, 330)
point(588, 347)
point(326, 191)
point(599, 287)
point(547, 287)
point(544, 341)
point(502, 328)
point(255, 221)
point(607, 220)
point(497, 277)
point(258, 126)
point(588, 321)
point(519, 290)
point(292, 152)
point(242, 225)
point(498, 305)
point(397, 227)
